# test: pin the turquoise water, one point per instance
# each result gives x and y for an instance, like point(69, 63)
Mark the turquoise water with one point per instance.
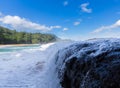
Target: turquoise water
point(17, 48)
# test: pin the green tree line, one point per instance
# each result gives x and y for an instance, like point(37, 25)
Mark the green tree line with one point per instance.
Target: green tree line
point(8, 36)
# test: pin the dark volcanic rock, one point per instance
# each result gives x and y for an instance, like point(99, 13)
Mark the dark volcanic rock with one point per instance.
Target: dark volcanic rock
point(91, 64)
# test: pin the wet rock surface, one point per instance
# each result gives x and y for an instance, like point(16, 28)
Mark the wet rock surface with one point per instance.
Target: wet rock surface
point(90, 64)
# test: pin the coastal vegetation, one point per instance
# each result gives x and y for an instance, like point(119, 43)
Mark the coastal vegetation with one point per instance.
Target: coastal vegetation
point(8, 36)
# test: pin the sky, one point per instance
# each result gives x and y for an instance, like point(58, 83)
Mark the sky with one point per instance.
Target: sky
point(68, 19)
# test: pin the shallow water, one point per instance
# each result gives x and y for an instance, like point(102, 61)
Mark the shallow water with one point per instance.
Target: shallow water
point(17, 48)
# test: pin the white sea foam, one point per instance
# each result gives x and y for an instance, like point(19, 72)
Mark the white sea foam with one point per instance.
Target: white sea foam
point(30, 68)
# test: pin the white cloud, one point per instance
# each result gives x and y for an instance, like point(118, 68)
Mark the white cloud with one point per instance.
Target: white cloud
point(76, 23)
point(21, 23)
point(84, 8)
point(113, 26)
point(65, 3)
point(65, 29)
point(52, 27)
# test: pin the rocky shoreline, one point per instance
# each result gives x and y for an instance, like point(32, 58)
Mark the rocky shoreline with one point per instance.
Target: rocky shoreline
point(90, 64)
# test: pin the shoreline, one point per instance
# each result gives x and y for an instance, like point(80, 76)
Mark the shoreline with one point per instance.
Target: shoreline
point(8, 45)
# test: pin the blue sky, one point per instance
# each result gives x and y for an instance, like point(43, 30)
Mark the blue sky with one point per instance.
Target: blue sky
point(74, 19)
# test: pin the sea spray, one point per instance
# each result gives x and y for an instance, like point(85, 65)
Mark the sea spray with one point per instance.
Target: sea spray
point(32, 67)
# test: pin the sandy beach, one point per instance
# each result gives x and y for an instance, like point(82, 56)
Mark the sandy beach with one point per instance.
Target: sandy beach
point(8, 45)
